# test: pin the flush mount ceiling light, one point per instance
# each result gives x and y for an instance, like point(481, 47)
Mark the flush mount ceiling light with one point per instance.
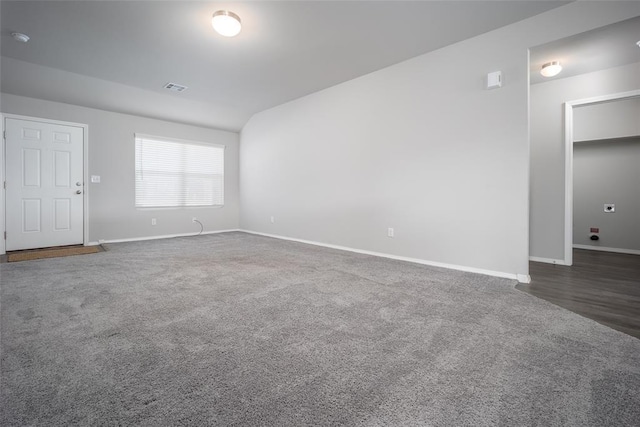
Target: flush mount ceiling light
point(551, 69)
point(19, 37)
point(226, 23)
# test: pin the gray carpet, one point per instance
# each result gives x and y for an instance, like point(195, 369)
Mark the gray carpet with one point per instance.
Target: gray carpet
point(235, 329)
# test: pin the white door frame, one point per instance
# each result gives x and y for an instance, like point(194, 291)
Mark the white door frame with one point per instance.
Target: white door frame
point(85, 174)
point(568, 162)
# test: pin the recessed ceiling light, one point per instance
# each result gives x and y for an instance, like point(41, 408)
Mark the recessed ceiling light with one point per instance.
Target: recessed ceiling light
point(19, 37)
point(551, 69)
point(226, 23)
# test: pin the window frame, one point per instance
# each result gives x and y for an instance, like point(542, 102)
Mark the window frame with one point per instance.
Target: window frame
point(182, 142)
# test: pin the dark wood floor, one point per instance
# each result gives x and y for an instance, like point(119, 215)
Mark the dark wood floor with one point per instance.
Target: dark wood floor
point(602, 286)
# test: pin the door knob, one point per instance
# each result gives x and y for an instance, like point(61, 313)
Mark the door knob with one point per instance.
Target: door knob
point(78, 184)
point(79, 192)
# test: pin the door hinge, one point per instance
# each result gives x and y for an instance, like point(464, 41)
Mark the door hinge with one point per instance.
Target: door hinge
point(4, 134)
point(5, 235)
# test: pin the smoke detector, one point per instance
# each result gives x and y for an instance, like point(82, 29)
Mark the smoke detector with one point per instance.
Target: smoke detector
point(19, 37)
point(174, 87)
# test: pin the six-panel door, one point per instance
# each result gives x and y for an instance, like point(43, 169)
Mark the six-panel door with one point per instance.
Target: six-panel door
point(45, 189)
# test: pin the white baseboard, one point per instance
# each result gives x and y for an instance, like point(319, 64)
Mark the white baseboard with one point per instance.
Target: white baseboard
point(605, 249)
point(547, 260)
point(523, 278)
point(166, 236)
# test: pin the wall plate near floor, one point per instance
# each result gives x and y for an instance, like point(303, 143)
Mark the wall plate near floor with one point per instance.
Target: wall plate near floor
point(609, 207)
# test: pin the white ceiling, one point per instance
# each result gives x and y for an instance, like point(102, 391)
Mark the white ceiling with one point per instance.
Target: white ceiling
point(118, 55)
point(599, 49)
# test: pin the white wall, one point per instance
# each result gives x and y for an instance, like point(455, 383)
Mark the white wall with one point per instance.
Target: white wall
point(618, 119)
point(419, 146)
point(40, 82)
point(112, 213)
point(607, 171)
point(547, 148)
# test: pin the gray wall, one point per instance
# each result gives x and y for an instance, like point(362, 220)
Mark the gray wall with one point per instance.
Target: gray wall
point(419, 146)
point(608, 120)
point(112, 213)
point(607, 171)
point(547, 149)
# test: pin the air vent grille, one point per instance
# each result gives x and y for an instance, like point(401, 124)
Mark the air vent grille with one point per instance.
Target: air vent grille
point(175, 87)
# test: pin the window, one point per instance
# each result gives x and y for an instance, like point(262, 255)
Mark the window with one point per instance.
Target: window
point(174, 173)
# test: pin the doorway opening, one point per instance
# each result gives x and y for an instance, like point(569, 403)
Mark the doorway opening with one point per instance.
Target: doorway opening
point(599, 66)
point(569, 145)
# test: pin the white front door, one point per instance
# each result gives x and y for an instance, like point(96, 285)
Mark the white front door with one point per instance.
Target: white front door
point(45, 189)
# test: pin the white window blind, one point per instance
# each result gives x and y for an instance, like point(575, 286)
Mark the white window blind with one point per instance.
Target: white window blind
point(173, 173)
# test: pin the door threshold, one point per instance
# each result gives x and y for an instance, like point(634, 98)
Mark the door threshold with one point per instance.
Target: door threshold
point(50, 252)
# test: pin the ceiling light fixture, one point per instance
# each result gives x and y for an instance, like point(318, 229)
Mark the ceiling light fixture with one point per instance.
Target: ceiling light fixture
point(551, 69)
point(638, 43)
point(226, 23)
point(19, 37)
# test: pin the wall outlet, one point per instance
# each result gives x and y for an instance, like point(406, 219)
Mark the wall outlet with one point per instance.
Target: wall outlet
point(609, 207)
point(389, 232)
point(153, 221)
point(273, 219)
point(194, 219)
